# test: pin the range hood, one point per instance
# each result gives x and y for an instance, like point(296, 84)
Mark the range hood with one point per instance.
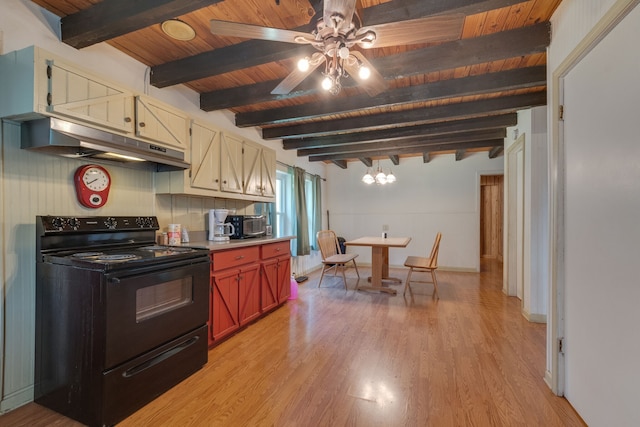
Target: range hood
point(55, 136)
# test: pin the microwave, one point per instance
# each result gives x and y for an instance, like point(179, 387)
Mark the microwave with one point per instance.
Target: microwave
point(247, 226)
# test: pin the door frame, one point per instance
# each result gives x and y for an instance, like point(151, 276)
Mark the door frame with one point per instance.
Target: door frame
point(513, 266)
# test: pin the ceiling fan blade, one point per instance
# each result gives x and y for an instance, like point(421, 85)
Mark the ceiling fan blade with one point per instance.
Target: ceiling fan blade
point(423, 30)
point(375, 83)
point(344, 9)
point(296, 76)
point(248, 31)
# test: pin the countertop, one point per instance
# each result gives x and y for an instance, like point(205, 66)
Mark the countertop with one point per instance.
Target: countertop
point(236, 243)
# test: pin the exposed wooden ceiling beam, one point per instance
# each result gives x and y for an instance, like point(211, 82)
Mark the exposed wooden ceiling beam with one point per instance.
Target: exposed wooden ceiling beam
point(418, 141)
point(394, 159)
point(495, 152)
point(460, 110)
point(426, 157)
point(520, 78)
point(342, 164)
point(401, 10)
point(460, 155)
point(410, 150)
point(112, 18)
point(502, 45)
point(476, 123)
point(368, 162)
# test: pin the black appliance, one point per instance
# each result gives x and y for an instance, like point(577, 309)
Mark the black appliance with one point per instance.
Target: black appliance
point(119, 319)
point(248, 226)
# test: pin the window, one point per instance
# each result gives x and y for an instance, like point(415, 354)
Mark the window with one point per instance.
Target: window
point(285, 214)
point(285, 218)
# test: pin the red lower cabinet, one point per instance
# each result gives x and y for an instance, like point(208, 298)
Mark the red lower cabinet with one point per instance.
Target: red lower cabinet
point(246, 283)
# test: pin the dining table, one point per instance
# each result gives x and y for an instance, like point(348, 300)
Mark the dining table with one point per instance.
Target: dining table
point(380, 260)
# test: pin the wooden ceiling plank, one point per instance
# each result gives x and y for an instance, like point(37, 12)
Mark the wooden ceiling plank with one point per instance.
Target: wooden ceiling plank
point(417, 141)
point(507, 44)
point(426, 157)
point(460, 155)
point(486, 83)
point(409, 150)
point(112, 18)
point(417, 116)
point(476, 123)
point(394, 159)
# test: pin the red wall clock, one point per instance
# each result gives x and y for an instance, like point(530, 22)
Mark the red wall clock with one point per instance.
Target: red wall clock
point(92, 184)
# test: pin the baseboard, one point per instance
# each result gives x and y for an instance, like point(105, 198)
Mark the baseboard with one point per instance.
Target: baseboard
point(533, 317)
point(16, 399)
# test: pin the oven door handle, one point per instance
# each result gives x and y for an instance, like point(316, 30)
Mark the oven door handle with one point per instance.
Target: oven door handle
point(160, 358)
point(116, 279)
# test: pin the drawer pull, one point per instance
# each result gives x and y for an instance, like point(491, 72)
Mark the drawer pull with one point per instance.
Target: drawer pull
point(240, 257)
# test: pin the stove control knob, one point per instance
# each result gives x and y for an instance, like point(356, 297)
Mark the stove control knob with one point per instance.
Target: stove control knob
point(58, 223)
point(73, 223)
point(110, 223)
point(144, 222)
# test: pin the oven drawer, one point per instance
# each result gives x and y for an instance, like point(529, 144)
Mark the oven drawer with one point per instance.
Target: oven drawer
point(132, 385)
point(275, 249)
point(235, 257)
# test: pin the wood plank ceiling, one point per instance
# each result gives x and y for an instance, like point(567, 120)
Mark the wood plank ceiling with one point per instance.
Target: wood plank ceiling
point(449, 97)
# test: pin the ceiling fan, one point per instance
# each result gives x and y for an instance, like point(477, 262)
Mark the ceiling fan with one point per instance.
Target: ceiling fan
point(335, 38)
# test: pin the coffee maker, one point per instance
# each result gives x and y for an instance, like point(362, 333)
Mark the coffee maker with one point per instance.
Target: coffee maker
point(219, 231)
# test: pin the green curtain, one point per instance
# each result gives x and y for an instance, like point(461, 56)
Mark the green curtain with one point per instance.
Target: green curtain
point(317, 210)
point(302, 223)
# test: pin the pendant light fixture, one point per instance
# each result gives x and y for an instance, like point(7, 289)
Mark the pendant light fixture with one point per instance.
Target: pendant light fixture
point(378, 176)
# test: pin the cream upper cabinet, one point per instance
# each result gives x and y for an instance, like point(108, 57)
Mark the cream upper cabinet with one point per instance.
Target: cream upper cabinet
point(159, 122)
point(259, 170)
point(205, 157)
point(74, 94)
point(268, 172)
point(231, 163)
point(35, 82)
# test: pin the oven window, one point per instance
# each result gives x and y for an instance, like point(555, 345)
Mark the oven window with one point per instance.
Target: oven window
point(158, 299)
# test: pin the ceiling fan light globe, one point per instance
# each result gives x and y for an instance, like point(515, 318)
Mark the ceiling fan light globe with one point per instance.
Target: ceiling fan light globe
point(368, 179)
point(303, 64)
point(327, 83)
point(343, 52)
point(364, 72)
point(391, 177)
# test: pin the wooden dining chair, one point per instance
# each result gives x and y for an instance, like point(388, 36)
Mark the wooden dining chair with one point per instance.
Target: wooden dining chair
point(426, 265)
point(332, 256)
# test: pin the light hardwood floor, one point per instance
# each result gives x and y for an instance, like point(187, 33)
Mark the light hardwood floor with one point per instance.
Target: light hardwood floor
point(336, 358)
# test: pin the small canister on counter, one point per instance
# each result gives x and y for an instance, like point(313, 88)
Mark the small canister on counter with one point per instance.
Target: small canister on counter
point(174, 232)
point(164, 239)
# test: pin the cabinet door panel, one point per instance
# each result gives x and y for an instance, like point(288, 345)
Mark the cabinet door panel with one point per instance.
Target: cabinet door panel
point(249, 293)
point(251, 158)
point(161, 123)
point(284, 279)
point(205, 157)
point(269, 279)
point(268, 172)
point(231, 164)
point(225, 303)
point(81, 96)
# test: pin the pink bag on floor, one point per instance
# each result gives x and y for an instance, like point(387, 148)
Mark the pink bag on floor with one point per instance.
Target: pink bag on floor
point(294, 288)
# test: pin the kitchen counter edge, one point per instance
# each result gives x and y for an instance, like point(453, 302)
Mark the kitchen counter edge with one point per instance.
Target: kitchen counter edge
point(234, 244)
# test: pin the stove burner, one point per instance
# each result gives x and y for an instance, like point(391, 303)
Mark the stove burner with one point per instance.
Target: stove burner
point(117, 257)
point(87, 254)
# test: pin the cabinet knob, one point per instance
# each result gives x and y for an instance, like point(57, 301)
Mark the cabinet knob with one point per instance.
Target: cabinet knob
point(216, 180)
point(141, 124)
point(127, 119)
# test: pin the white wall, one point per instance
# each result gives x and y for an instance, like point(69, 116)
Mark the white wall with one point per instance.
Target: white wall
point(442, 195)
point(601, 194)
point(36, 184)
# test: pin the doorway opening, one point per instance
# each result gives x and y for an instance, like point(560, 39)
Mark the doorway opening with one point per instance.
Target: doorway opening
point(491, 218)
